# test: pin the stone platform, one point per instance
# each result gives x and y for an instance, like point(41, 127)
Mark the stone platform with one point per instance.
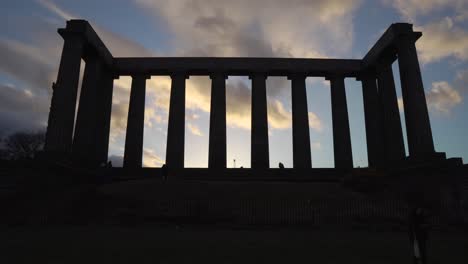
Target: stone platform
point(145, 219)
point(374, 203)
point(195, 244)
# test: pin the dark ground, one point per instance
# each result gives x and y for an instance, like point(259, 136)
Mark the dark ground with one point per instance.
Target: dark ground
point(204, 244)
point(53, 221)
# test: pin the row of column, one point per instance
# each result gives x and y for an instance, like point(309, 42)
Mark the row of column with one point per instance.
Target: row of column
point(383, 125)
point(259, 133)
point(385, 146)
point(87, 138)
point(93, 120)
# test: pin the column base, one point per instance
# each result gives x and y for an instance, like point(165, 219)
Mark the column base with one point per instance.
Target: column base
point(50, 158)
point(434, 159)
point(85, 162)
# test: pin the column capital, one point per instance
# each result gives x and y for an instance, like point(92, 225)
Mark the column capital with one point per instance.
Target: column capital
point(366, 75)
point(218, 74)
point(76, 26)
point(297, 75)
point(335, 76)
point(405, 41)
point(140, 76)
point(73, 35)
point(386, 60)
point(411, 36)
point(74, 32)
point(402, 29)
point(258, 74)
point(179, 74)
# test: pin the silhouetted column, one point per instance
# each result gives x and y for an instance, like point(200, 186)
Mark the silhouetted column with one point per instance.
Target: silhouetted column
point(133, 154)
point(217, 143)
point(259, 157)
point(302, 157)
point(373, 120)
point(341, 135)
point(418, 127)
point(84, 141)
point(393, 137)
point(104, 112)
point(62, 111)
point(176, 123)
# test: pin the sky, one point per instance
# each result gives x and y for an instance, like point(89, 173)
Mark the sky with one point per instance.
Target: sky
point(30, 50)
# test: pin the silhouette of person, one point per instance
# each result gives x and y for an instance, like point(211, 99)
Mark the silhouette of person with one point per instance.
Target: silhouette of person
point(281, 165)
point(164, 172)
point(418, 235)
point(106, 176)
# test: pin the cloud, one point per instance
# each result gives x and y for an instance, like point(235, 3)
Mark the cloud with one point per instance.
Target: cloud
point(238, 104)
point(241, 40)
point(118, 120)
point(236, 28)
point(442, 36)
point(118, 45)
point(278, 116)
point(120, 103)
point(121, 46)
point(442, 97)
point(194, 129)
point(257, 27)
point(33, 65)
point(220, 29)
point(27, 63)
point(411, 9)
point(461, 81)
point(153, 115)
point(315, 122)
point(51, 6)
point(20, 109)
point(192, 116)
point(316, 145)
point(151, 159)
point(442, 39)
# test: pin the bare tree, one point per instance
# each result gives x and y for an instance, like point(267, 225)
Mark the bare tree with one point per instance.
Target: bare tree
point(22, 145)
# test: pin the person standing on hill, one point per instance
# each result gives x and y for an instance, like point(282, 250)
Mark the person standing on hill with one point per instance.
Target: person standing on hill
point(418, 231)
point(164, 172)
